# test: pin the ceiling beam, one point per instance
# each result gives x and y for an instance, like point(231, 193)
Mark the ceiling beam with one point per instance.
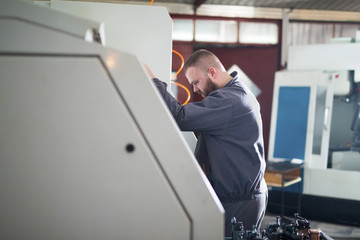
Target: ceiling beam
point(197, 4)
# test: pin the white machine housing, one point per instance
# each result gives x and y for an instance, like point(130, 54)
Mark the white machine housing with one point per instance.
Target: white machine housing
point(88, 149)
point(300, 124)
point(324, 69)
point(144, 31)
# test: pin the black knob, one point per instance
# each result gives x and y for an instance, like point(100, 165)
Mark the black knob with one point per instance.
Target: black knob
point(130, 148)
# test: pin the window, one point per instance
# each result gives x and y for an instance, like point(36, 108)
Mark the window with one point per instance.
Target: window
point(343, 30)
point(301, 33)
point(226, 31)
point(215, 31)
point(183, 30)
point(310, 33)
point(258, 33)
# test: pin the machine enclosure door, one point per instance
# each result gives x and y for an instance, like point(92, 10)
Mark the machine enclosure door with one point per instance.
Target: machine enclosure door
point(301, 114)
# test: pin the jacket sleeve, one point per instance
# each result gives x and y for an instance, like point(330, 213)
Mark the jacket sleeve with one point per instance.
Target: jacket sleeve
point(211, 115)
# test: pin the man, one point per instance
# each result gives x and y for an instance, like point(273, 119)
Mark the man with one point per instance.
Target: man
point(230, 142)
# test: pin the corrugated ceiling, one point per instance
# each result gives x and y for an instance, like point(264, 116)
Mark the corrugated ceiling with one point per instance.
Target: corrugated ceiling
point(332, 5)
point(335, 5)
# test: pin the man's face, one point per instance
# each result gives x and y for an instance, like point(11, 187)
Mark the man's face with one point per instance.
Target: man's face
point(202, 83)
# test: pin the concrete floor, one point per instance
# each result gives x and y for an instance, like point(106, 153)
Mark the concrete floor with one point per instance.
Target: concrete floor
point(335, 231)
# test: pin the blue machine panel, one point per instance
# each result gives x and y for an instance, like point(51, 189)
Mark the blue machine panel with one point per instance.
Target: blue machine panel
point(291, 125)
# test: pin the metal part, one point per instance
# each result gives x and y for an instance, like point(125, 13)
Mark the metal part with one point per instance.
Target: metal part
point(283, 229)
point(355, 127)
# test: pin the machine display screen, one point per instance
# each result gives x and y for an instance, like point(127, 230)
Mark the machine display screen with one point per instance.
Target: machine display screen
point(292, 120)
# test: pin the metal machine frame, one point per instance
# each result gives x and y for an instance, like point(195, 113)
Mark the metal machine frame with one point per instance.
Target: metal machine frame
point(81, 154)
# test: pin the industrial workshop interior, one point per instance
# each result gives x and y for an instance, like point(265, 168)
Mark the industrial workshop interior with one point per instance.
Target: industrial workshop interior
point(90, 150)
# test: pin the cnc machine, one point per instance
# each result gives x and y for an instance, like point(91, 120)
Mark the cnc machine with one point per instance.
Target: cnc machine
point(315, 118)
point(88, 150)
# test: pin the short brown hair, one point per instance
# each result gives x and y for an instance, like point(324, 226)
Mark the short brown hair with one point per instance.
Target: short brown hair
point(197, 57)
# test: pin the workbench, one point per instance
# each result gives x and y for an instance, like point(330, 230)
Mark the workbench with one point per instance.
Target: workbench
point(283, 175)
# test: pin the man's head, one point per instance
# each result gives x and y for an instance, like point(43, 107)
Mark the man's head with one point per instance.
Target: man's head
point(205, 72)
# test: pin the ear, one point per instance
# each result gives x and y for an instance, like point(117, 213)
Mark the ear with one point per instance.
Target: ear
point(212, 73)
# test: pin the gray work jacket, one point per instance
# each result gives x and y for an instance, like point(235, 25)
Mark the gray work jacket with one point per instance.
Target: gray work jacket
point(230, 143)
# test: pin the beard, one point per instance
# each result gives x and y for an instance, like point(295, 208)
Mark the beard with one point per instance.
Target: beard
point(210, 86)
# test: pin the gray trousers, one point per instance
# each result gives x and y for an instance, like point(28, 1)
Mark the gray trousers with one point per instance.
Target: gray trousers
point(249, 212)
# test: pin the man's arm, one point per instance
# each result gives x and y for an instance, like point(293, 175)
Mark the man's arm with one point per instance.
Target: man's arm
point(211, 115)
